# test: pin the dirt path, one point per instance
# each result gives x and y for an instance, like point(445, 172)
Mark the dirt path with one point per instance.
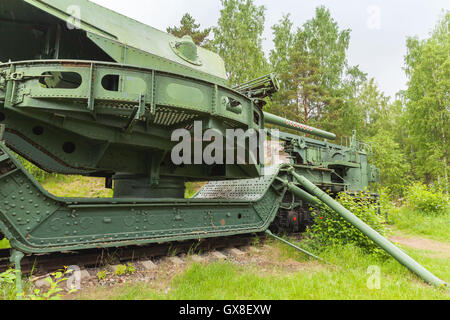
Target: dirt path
point(439, 249)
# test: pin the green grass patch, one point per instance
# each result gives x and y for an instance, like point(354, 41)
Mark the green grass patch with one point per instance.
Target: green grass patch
point(4, 244)
point(415, 223)
point(346, 279)
point(192, 188)
point(77, 187)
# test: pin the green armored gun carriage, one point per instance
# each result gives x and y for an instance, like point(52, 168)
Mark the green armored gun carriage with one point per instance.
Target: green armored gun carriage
point(87, 91)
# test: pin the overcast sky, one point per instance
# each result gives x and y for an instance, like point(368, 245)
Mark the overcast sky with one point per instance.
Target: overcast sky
point(379, 27)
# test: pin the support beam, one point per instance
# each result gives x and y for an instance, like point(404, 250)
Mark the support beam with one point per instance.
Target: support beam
point(295, 247)
point(385, 244)
point(16, 258)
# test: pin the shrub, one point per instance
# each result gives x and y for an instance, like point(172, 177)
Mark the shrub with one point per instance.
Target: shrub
point(190, 190)
point(101, 275)
point(426, 200)
point(125, 269)
point(389, 157)
point(4, 244)
point(8, 290)
point(121, 270)
point(387, 205)
point(330, 229)
point(7, 285)
point(53, 293)
point(130, 269)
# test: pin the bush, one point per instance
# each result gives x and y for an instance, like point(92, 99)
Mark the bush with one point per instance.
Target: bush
point(8, 290)
point(8, 285)
point(387, 205)
point(4, 244)
point(330, 229)
point(101, 275)
point(389, 157)
point(125, 269)
point(427, 200)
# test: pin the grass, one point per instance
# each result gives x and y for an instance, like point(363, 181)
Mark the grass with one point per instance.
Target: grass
point(4, 244)
point(192, 188)
point(77, 187)
point(226, 281)
point(7, 291)
point(85, 187)
point(346, 278)
point(415, 223)
point(220, 281)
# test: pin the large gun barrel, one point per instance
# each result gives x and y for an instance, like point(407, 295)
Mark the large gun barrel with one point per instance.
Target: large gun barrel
point(288, 124)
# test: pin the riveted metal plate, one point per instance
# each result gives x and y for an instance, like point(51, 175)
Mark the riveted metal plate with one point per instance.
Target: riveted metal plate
point(36, 222)
point(243, 190)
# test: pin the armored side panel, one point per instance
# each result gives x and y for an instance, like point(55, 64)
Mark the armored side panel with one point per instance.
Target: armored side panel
point(37, 222)
point(102, 95)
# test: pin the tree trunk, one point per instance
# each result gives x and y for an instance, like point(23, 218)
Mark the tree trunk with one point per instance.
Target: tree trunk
point(305, 106)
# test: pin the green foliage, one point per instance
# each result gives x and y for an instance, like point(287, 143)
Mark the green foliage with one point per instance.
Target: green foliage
point(409, 136)
point(53, 293)
point(330, 229)
point(9, 292)
point(125, 269)
point(39, 174)
point(427, 200)
point(386, 203)
point(427, 100)
point(77, 187)
point(121, 270)
point(192, 29)
point(389, 156)
point(283, 41)
point(317, 84)
point(130, 269)
point(190, 190)
point(67, 185)
point(306, 281)
point(101, 275)
point(8, 285)
point(238, 40)
point(369, 109)
point(322, 39)
point(4, 244)
point(411, 222)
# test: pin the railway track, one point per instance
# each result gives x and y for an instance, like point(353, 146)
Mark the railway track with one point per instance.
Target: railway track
point(41, 265)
